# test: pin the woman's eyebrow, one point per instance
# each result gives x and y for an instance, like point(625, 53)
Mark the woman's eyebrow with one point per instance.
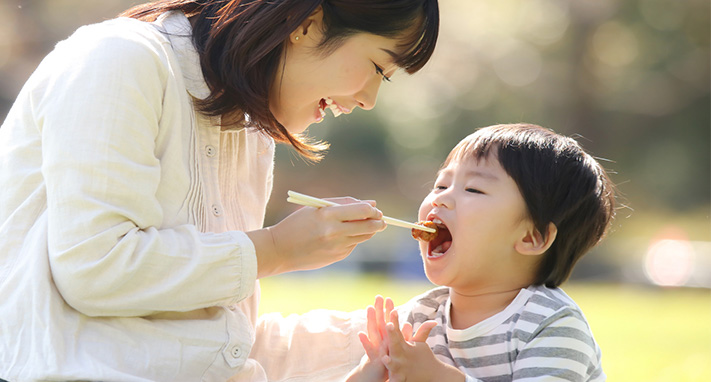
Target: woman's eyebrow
point(390, 52)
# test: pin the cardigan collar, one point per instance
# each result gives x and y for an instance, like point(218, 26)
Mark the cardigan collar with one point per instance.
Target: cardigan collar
point(178, 30)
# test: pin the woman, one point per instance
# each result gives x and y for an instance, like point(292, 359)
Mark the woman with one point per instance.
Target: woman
point(136, 165)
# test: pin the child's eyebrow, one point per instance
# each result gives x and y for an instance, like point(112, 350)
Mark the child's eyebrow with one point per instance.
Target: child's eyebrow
point(481, 174)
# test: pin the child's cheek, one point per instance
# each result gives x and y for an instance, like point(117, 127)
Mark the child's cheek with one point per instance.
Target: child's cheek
point(425, 208)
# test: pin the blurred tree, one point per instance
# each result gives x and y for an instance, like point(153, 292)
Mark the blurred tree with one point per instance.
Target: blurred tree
point(629, 78)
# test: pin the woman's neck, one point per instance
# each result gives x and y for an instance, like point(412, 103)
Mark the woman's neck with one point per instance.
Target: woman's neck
point(468, 309)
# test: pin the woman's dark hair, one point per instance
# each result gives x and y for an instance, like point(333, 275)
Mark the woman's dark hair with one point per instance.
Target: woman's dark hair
point(560, 183)
point(240, 43)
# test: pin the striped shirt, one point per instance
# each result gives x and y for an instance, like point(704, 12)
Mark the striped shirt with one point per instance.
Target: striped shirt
point(541, 335)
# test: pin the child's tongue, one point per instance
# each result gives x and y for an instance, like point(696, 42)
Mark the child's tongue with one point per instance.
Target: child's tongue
point(441, 248)
point(441, 243)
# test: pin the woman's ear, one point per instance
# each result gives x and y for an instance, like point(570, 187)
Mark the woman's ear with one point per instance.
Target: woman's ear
point(533, 242)
point(310, 28)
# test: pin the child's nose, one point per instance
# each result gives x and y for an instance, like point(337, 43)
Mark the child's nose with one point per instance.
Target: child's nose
point(443, 200)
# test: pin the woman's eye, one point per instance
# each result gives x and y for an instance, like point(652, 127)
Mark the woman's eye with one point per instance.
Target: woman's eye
point(380, 72)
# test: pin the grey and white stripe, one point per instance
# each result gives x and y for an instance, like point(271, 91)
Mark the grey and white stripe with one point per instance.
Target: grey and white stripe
point(542, 333)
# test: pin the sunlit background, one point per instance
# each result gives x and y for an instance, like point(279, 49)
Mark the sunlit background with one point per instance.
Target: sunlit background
point(628, 78)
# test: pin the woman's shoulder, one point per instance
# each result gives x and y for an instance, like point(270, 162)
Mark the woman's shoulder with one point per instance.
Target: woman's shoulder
point(116, 39)
point(120, 49)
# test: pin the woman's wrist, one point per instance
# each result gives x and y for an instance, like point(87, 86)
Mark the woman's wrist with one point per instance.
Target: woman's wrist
point(268, 259)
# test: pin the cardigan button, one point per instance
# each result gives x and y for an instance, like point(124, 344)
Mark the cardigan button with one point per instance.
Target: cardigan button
point(236, 352)
point(216, 210)
point(210, 151)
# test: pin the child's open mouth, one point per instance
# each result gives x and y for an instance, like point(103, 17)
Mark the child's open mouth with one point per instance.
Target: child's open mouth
point(441, 243)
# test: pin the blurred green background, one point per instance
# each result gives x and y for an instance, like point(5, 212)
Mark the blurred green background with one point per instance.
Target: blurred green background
point(628, 78)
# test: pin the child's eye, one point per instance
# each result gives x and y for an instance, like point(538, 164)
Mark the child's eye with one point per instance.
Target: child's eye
point(473, 191)
point(380, 71)
point(440, 187)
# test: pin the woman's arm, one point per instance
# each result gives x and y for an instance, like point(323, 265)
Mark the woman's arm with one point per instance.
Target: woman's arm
point(98, 106)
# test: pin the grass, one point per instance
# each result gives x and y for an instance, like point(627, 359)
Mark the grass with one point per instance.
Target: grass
point(646, 334)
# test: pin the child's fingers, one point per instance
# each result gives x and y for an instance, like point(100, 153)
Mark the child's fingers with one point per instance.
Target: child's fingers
point(424, 331)
point(407, 331)
point(394, 319)
point(389, 306)
point(379, 318)
point(370, 350)
point(394, 338)
point(393, 369)
point(372, 326)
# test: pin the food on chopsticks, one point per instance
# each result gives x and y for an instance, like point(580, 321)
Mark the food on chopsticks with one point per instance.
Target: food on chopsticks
point(310, 201)
point(425, 235)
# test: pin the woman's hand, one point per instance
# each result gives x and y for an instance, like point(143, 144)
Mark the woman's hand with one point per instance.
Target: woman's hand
point(312, 238)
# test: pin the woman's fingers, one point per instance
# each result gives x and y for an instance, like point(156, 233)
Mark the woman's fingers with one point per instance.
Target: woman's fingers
point(312, 238)
point(353, 210)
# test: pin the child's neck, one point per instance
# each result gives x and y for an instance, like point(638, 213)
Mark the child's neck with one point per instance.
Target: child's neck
point(470, 309)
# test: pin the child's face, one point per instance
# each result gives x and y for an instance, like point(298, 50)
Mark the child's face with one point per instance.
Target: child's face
point(482, 214)
point(349, 77)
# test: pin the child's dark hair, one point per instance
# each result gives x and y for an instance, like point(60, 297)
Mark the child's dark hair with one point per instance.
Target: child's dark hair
point(240, 44)
point(560, 183)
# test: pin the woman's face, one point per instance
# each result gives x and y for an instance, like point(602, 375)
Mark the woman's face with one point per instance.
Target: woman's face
point(307, 81)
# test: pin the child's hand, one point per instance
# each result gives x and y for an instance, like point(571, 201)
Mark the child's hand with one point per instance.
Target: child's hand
point(411, 359)
point(371, 367)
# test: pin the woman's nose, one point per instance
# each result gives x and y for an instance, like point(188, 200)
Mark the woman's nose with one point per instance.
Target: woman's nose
point(368, 95)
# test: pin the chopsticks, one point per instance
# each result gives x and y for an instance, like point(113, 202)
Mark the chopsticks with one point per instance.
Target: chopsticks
point(310, 201)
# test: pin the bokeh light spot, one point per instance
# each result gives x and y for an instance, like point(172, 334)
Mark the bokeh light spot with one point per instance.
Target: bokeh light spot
point(669, 262)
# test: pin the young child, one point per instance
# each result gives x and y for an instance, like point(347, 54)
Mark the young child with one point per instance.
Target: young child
point(516, 207)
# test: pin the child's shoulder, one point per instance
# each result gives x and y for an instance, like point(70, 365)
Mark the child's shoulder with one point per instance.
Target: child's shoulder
point(426, 305)
point(549, 298)
point(435, 296)
point(549, 306)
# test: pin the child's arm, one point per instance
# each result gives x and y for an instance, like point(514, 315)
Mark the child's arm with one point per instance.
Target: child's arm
point(413, 361)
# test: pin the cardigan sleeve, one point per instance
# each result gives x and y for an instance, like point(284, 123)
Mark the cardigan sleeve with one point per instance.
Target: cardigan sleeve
point(98, 100)
point(321, 345)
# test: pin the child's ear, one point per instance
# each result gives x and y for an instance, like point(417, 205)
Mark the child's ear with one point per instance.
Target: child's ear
point(533, 242)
